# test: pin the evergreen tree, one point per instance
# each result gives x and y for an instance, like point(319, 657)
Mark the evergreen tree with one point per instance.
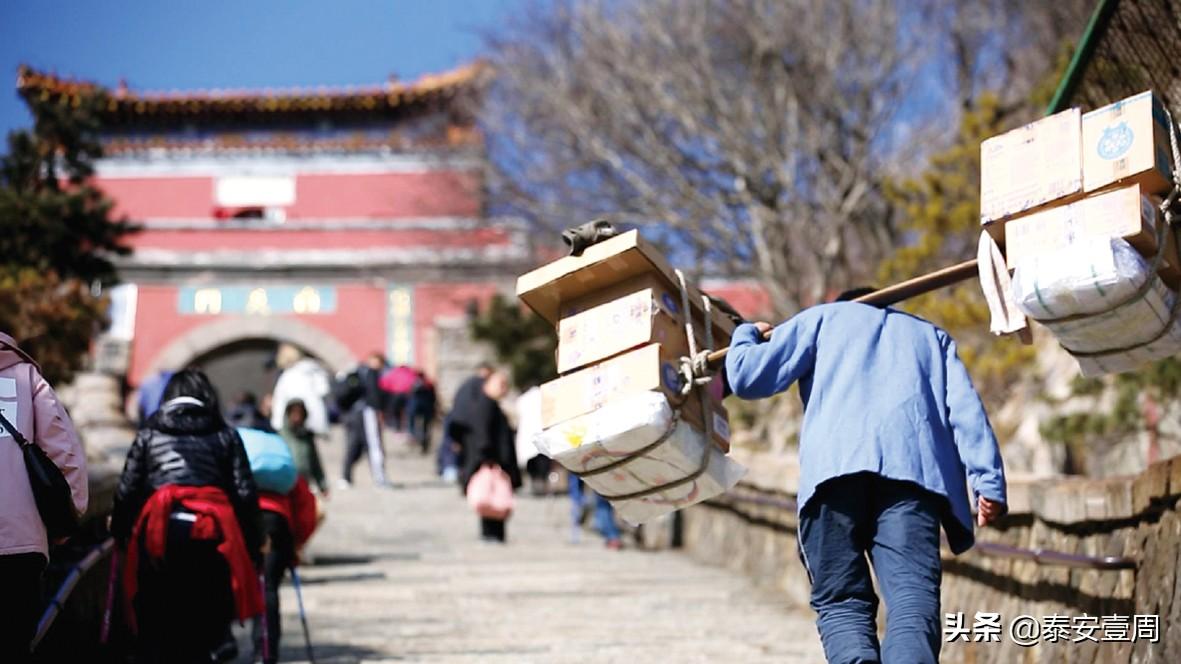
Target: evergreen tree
point(941, 209)
point(520, 339)
point(57, 236)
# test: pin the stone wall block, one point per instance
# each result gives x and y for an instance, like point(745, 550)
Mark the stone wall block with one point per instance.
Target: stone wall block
point(1119, 499)
point(1175, 476)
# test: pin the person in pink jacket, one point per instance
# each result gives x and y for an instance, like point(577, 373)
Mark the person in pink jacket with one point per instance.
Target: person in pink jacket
point(31, 405)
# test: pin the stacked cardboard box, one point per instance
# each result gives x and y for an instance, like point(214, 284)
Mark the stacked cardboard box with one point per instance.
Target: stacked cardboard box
point(1075, 179)
point(621, 323)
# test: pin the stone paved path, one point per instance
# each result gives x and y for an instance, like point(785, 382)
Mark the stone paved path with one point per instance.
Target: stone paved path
point(400, 576)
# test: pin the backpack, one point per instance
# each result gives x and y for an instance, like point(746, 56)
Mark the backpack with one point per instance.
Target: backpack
point(347, 391)
point(270, 460)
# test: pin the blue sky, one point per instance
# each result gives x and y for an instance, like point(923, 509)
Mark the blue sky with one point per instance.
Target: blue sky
point(160, 45)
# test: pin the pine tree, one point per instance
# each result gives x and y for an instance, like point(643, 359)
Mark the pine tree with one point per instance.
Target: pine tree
point(521, 340)
point(57, 235)
point(941, 211)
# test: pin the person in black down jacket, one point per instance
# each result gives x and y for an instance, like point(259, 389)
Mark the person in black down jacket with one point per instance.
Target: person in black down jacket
point(487, 438)
point(186, 509)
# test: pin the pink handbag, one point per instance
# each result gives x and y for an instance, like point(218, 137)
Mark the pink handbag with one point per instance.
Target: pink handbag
point(490, 493)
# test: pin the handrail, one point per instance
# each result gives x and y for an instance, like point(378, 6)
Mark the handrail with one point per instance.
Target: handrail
point(59, 598)
point(993, 549)
point(1046, 557)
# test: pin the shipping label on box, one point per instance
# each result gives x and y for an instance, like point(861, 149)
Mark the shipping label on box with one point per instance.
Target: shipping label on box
point(617, 320)
point(1122, 213)
point(1128, 141)
point(1031, 166)
point(651, 368)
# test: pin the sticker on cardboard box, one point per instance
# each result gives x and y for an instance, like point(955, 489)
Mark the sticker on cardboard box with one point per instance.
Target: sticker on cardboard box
point(670, 303)
point(721, 427)
point(1116, 141)
point(671, 376)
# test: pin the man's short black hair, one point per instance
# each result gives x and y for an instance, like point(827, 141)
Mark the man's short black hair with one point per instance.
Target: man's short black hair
point(854, 293)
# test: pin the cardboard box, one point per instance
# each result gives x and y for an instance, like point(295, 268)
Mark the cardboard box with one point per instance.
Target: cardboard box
point(1029, 167)
point(1127, 212)
point(600, 266)
point(1128, 142)
point(650, 368)
point(1117, 213)
point(632, 314)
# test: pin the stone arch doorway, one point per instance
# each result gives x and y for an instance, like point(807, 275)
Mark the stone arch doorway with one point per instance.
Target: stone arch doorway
point(246, 365)
point(246, 343)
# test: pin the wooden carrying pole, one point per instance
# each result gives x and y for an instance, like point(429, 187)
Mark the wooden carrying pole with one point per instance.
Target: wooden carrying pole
point(896, 293)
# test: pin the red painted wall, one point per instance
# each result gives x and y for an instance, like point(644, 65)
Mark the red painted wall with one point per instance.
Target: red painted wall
point(748, 297)
point(377, 195)
point(360, 319)
point(438, 300)
point(170, 198)
point(386, 195)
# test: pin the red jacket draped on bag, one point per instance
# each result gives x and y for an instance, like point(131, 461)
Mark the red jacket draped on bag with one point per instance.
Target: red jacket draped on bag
point(215, 521)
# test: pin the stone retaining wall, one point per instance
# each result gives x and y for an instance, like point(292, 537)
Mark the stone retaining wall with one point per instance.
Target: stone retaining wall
point(1133, 517)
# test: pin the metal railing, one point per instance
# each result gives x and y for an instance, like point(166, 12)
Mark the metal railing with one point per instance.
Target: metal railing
point(992, 549)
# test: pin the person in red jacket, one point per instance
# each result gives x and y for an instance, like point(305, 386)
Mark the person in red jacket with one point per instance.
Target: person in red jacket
point(289, 520)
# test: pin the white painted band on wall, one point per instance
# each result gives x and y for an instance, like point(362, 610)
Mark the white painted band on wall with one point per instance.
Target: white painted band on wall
point(254, 190)
point(171, 165)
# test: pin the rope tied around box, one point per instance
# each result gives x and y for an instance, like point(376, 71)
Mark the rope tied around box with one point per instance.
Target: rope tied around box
point(1169, 221)
point(695, 374)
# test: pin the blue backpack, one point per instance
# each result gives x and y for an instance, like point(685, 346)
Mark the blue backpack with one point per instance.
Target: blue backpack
point(270, 460)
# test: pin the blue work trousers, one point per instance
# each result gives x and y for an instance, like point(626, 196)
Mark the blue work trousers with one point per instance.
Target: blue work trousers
point(604, 513)
point(861, 519)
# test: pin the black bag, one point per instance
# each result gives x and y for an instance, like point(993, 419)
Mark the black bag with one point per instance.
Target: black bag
point(51, 491)
point(348, 391)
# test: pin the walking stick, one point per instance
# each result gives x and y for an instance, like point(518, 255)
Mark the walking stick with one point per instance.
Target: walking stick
point(303, 616)
point(893, 294)
point(265, 628)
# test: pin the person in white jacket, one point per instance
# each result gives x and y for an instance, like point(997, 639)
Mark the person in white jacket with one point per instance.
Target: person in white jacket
point(305, 379)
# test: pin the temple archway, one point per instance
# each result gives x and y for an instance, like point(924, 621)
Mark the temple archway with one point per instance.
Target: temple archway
point(204, 340)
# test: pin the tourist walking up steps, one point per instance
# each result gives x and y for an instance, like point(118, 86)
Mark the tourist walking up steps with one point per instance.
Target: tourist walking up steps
point(603, 511)
point(487, 439)
point(186, 512)
point(30, 405)
point(302, 442)
point(421, 411)
point(892, 430)
point(363, 423)
point(303, 378)
point(451, 450)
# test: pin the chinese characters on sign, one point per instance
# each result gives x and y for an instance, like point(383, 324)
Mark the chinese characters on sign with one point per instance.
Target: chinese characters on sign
point(400, 326)
point(257, 300)
point(1026, 630)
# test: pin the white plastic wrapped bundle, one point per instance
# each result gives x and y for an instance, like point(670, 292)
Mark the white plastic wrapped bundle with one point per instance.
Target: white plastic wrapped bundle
point(1085, 277)
point(1135, 358)
point(620, 429)
point(1093, 297)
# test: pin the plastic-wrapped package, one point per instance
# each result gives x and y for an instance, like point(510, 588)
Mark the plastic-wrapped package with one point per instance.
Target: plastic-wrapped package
point(1135, 358)
point(621, 428)
point(1092, 297)
point(1088, 276)
point(1137, 321)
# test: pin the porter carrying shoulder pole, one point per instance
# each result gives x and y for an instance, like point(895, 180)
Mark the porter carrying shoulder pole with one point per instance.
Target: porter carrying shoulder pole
point(894, 294)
